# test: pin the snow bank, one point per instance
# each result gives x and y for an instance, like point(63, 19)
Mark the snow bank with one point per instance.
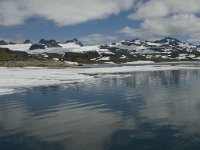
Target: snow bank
point(72, 63)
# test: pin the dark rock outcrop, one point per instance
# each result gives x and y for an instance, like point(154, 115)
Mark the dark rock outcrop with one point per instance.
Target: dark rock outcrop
point(37, 46)
point(12, 43)
point(27, 42)
point(3, 42)
point(81, 57)
point(49, 43)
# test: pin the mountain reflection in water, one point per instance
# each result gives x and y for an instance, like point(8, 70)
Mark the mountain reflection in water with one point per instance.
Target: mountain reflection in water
point(141, 110)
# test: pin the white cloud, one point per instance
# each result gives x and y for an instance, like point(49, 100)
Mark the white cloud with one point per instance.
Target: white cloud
point(194, 38)
point(161, 18)
point(62, 12)
point(132, 32)
point(96, 38)
point(184, 25)
point(164, 8)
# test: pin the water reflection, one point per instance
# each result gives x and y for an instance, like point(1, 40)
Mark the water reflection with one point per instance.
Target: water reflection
point(144, 110)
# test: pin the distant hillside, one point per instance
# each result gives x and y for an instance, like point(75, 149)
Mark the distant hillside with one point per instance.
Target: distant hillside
point(7, 55)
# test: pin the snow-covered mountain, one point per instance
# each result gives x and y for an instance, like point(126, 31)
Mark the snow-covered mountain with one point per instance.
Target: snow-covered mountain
point(164, 46)
point(74, 41)
point(27, 42)
point(44, 44)
point(167, 48)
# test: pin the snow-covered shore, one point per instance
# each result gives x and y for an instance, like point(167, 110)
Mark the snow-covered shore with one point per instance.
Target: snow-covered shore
point(17, 79)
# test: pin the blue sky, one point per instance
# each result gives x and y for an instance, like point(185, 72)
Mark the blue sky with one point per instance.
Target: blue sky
point(99, 21)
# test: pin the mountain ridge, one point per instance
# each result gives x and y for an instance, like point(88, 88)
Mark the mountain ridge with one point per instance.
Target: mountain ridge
point(166, 49)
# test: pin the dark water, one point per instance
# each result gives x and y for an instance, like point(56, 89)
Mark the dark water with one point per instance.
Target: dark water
point(134, 111)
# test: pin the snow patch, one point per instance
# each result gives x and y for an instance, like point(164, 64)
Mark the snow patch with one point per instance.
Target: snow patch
point(123, 57)
point(72, 63)
point(140, 62)
point(55, 59)
point(153, 44)
point(45, 55)
point(104, 58)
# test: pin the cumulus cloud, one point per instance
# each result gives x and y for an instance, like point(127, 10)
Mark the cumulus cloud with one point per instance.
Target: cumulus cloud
point(132, 32)
point(174, 25)
point(62, 12)
point(164, 8)
point(97, 39)
point(160, 18)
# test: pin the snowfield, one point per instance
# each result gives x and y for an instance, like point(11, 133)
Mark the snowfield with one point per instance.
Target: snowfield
point(19, 79)
point(17, 47)
point(69, 47)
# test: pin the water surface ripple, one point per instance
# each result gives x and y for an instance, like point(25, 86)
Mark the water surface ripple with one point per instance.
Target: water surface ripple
point(141, 110)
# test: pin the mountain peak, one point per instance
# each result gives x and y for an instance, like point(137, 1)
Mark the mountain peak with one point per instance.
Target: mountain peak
point(27, 42)
point(169, 40)
point(3, 42)
point(49, 43)
point(75, 41)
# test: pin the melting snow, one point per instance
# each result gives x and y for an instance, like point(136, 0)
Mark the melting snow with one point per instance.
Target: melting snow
point(15, 79)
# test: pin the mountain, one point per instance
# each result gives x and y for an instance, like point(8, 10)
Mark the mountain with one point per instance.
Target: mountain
point(166, 49)
point(49, 43)
point(45, 44)
point(75, 41)
point(27, 42)
point(3, 42)
point(164, 46)
point(168, 40)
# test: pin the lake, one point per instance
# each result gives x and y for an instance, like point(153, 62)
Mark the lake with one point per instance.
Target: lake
point(149, 110)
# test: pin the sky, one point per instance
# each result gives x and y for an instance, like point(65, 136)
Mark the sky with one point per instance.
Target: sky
point(99, 21)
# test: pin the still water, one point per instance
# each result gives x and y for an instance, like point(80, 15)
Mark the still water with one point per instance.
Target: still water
point(134, 111)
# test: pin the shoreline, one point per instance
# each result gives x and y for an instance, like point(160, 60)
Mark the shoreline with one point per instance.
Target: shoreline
point(64, 64)
point(17, 79)
point(35, 63)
